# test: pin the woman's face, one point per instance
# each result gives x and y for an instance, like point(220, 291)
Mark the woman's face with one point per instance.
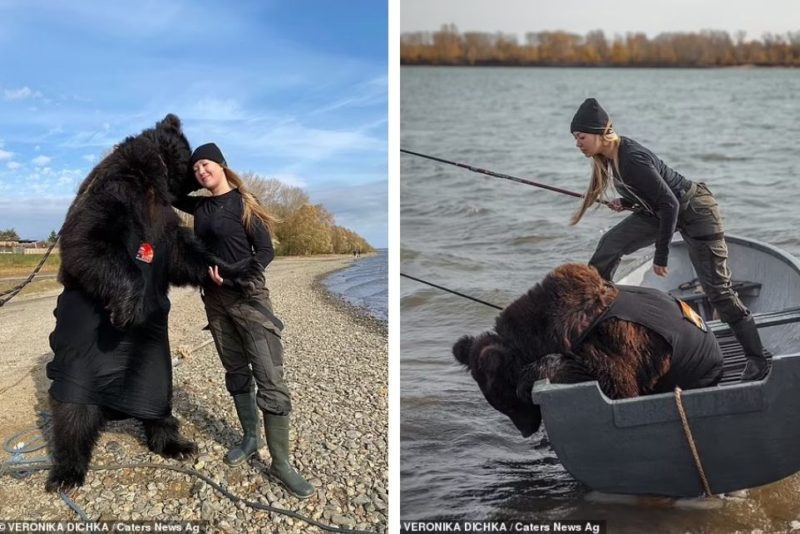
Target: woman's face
point(589, 144)
point(208, 173)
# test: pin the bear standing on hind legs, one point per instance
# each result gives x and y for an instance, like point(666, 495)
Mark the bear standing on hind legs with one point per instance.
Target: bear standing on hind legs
point(121, 247)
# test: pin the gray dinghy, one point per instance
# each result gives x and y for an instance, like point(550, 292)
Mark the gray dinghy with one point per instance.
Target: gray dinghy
point(745, 434)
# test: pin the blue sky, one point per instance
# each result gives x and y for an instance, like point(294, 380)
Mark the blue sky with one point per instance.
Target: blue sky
point(294, 90)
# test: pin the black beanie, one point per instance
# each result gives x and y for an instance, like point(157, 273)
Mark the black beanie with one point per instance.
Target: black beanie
point(208, 151)
point(590, 118)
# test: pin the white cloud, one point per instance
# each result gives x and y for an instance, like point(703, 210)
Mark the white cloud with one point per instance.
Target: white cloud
point(216, 109)
point(290, 179)
point(70, 177)
point(21, 93)
point(41, 161)
point(13, 165)
point(5, 154)
point(368, 93)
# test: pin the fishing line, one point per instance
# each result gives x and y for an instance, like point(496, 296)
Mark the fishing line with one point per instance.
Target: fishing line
point(499, 175)
point(453, 292)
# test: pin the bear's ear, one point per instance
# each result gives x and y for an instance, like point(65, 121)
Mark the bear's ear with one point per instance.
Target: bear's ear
point(462, 348)
point(170, 122)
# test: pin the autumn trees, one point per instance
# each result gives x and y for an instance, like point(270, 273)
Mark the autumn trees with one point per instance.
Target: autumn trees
point(558, 48)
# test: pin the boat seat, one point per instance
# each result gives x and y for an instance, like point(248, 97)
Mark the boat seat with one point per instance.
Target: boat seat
point(692, 293)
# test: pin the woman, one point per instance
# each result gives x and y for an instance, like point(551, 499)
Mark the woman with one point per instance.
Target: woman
point(664, 201)
point(234, 226)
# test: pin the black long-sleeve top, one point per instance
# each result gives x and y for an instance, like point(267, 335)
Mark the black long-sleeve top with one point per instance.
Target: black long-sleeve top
point(218, 224)
point(646, 180)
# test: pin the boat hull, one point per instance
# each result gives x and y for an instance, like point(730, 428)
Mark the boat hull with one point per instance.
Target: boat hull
point(746, 434)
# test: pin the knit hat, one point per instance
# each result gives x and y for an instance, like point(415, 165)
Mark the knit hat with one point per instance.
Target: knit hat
point(208, 151)
point(590, 118)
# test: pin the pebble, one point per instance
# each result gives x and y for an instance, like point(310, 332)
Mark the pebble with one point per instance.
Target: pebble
point(343, 521)
point(338, 427)
point(361, 499)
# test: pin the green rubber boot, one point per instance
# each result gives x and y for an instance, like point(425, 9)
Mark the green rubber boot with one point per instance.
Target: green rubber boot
point(247, 411)
point(277, 427)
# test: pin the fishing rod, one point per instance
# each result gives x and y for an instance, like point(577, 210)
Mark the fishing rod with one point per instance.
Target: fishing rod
point(453, 292)
point(499, 175)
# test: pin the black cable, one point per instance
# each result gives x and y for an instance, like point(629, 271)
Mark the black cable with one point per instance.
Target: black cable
point(16, 289)
point(499, 175)
point(453, 292)
point(37, 466)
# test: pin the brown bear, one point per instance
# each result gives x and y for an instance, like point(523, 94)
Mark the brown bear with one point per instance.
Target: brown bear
point(575, 326)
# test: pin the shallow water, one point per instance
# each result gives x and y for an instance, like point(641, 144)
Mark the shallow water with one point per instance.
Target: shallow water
point(735, 129)
point(364, 284)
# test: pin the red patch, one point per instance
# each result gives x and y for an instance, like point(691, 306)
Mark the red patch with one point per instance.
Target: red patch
point(145, 253)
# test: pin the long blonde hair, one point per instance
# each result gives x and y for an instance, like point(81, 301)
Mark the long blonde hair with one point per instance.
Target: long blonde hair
point(601, 174)
point(252, 207)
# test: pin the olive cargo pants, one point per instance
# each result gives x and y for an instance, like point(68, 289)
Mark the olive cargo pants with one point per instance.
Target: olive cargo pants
point(248, 339)
point(700, 224)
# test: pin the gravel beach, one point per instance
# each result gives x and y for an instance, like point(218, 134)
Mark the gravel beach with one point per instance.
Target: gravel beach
point(336, 366)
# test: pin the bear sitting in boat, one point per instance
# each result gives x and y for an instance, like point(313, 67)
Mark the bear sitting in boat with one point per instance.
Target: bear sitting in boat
point(576, 327)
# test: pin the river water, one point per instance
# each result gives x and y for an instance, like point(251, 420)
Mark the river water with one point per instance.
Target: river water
point(364, 284)
point(738, 130)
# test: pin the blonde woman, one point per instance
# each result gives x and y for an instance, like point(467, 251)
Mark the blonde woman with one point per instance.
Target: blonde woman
point(236, 228)
point(665, 201)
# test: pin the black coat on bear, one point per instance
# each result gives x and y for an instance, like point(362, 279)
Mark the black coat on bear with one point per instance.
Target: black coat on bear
point(558, 330)
point(122, 246)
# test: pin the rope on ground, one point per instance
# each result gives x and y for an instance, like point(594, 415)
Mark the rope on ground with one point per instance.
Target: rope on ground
point(37, 466)
point(15, 384)
point(692, 445)
point(9, 294)
point(75, 508)
point(20, 467)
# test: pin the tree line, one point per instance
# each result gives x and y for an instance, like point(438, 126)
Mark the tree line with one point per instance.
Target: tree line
point(558, 48)
point(9, 234)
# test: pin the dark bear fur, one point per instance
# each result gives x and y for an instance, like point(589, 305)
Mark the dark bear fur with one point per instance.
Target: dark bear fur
point(126, 200)
point(533, 341)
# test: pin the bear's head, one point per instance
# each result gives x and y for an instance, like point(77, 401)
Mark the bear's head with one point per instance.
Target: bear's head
point(176, 152)
point(503, 378)
point(531, 333)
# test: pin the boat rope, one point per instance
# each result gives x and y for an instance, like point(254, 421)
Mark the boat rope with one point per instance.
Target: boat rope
point(692, 445)
point(496, 307)
point(503, 176)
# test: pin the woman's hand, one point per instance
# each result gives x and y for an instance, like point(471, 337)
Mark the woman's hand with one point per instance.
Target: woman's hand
point(660, 270)
point(213, 272)
point(616, 204)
